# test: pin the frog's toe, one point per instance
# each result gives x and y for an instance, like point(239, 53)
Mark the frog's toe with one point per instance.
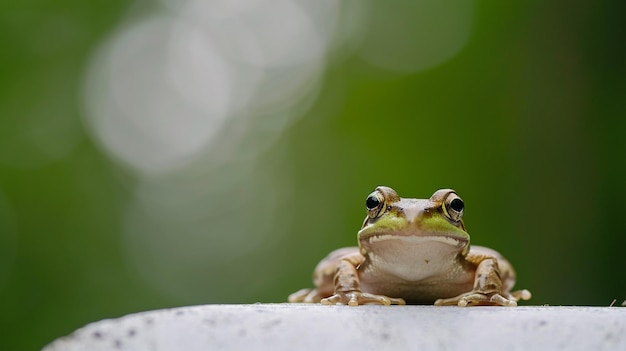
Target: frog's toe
point(355, 298)
point(473, 299)
point(521, 295)
point(502, 301)
point(332, 300)
point(477, 299)
point(448, 302)
point(365, 298)
point(377, 299)
point(397, 301)
point(306, 296)
point(299, 295)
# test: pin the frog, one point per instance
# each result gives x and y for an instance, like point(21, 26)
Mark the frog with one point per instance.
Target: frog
point(413, 251)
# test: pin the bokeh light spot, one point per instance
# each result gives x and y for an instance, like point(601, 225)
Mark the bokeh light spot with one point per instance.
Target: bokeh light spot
point(154, 103)
point(408, 36)
point(189, 98)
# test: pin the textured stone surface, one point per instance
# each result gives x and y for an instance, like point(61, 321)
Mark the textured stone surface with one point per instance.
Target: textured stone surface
point(316, 327)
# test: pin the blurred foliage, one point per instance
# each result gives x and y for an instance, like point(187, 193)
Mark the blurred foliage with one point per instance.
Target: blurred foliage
point(526, 123)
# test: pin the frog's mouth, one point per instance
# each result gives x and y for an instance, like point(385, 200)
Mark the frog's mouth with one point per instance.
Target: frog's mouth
point(415, 239)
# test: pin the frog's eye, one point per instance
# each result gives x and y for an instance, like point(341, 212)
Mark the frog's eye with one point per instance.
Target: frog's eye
point(375, 204)
point(453, 207)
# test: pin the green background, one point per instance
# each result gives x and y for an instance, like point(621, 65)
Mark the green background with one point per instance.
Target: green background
point(527, 123)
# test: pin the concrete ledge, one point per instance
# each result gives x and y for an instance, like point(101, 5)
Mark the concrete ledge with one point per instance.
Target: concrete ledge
point(316, 327)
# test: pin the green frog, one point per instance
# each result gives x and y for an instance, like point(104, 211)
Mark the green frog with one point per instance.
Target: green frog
point(413, 251)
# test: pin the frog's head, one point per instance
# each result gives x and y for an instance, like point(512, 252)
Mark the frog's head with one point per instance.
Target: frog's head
point(413, 233)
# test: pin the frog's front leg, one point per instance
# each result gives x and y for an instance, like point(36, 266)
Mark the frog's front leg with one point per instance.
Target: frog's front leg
point(348, 286)
point(487, 288)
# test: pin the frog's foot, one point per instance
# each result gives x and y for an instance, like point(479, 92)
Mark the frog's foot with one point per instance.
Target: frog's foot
point(306, 296)
point(476, 298)
point(355, 298)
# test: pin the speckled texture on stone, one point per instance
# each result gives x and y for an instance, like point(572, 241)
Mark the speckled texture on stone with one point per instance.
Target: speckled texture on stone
point(316, 327)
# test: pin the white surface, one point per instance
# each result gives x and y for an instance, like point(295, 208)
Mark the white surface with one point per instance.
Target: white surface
point(317, 327)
